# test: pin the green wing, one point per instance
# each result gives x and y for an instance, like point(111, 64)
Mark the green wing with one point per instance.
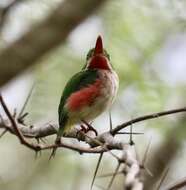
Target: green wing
point(78, 81)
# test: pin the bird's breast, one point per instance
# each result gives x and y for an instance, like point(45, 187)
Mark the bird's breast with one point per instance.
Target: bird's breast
point(91, 101)
point(109, 85)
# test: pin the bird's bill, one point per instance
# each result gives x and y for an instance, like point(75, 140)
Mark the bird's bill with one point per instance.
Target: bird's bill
point(99, 46)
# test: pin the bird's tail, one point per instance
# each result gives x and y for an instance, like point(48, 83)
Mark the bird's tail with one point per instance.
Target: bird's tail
point(60, 133)
point(57, 143)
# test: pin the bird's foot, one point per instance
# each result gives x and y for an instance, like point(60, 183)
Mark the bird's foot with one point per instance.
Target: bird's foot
point(86, 129)
point(90, 128)
point(57, 143)
point(82, 130)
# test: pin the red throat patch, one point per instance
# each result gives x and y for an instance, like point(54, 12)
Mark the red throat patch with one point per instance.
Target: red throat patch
point(99, 62)
point(84, 97)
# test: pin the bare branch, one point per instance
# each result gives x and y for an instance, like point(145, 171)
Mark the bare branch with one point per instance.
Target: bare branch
point(100, 187)
point(177, 185)
point(110, 174)
point(20, 116)
point(164, 154)
point(24, 53)
point(5, 11)
point(50, 129)
point(132, 179)
point(146, 117)
point(38, 147)
point(16, 129)
point(163, 178)
point(131, 142)
point(110, 120)
point(129, 133)
point(146, 152)
point(96, 170)
point(3, 133)
point(104, 142)
point(113, 177)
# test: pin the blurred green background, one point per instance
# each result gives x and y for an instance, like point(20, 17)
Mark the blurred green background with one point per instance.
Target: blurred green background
point(146, 40)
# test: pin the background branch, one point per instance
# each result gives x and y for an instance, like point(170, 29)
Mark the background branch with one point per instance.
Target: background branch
point(161, 158)
point(107, 139)
point(104, 142)
point(5, 11)
point(44, 36)
point(177, 185)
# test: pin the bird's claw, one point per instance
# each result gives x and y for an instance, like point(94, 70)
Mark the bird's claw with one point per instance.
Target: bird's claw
point(90, 128)
point(86, 130)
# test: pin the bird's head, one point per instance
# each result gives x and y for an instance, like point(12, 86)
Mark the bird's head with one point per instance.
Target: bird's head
point(98, 58)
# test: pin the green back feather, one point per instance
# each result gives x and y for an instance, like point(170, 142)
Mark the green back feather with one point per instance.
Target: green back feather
point(78, 81)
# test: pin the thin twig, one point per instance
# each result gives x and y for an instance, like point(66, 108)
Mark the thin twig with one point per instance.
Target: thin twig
point(147, 170)
point(26, 101)
point(162, 178)
point(5, 11)
point(146, 117)
point(3, 133)
point(96, 170)
point(21, 118)
point(18, 133)
point(110, 174)
point(79, 149)
point(131, 142)
point(144, 160)
point(2, 120)
point(113, 177)
point(177, 185)
point(100, 187)
point(137, 154)
point(146, 152)
point(102, 145)
point(129, 133)
point(110, 120)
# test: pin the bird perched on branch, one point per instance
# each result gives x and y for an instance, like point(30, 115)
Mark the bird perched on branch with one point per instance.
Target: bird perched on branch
point(88, 93)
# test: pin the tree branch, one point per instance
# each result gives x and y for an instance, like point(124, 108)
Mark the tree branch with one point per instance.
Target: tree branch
point(44, 36)
point(146, 117)
point(5, 11)
point(161, 158)
point(104, 142)
point(15, 127)
point(50, 129)
point(177, 185)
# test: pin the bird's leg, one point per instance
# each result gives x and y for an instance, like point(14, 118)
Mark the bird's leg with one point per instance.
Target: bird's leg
point(90, 128)
point(83, 129)
point(57, 142)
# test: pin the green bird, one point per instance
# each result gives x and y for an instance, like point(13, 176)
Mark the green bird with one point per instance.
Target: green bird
point(88, 93)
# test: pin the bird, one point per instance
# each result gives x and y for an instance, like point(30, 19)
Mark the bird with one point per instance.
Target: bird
point(88, 93)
